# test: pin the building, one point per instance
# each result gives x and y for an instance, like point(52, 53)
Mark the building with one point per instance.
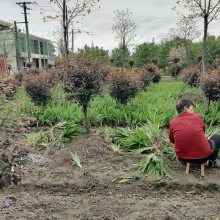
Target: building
point(42, 50)
point(4, 25)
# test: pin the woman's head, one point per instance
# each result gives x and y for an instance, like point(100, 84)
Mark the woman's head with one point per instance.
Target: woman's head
point(185, 105)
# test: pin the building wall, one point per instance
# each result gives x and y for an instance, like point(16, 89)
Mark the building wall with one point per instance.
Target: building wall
point(42, 50)
point(7, 49)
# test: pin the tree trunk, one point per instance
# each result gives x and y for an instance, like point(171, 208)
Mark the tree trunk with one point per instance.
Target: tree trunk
point(67, 32)
point(86, 121)
point(65, 29)
point(204, 44)
point(123, 48)
point(187, 51)
point(66, 51)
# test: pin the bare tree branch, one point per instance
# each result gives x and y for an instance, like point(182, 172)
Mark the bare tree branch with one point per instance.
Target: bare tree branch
point(124, 28)
point(208, 11)
point(69, 10)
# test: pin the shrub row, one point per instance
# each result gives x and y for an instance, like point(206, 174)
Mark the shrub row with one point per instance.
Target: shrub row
point(84, 77)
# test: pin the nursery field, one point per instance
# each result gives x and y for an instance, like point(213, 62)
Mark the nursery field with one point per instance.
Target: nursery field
point(124, 169)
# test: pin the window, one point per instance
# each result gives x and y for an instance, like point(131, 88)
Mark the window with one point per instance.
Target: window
point(36, 47)
point(41, 48)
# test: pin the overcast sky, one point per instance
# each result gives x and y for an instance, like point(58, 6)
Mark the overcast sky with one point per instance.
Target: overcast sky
point(153, 18)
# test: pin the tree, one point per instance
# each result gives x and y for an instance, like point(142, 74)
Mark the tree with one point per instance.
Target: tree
point(57, 39)
point(120, 57)
point(177, 53)
point(148, 73)
point(210, 85)
point(208, 10)
point(68, 11)
point(83, 79)
point(213, 48)
point(123, 86)
point(187, 31)
point(164, 50)
point(96, 53)
point(144, 53)
point(194, 52)
point(124, 28)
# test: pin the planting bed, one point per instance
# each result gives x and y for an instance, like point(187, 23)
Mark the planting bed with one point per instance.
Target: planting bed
point(108, 187)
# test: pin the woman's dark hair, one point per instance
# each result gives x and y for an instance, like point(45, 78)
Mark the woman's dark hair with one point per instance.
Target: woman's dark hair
point(184, 102)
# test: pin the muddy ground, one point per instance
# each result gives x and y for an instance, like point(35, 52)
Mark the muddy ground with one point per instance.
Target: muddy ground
point(52, 188)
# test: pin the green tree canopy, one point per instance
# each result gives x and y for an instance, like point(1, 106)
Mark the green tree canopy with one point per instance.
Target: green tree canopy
point(120, 57)
point(96, 53)
point(144, 53)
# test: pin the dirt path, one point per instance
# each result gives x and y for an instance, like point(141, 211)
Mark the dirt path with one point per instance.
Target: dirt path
point(59, 190)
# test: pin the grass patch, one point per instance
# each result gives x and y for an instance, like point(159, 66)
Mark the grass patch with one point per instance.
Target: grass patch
point(154, 165)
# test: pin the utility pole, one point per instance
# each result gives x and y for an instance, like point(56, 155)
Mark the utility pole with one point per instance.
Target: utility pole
point(17, 46)
point(25, 8)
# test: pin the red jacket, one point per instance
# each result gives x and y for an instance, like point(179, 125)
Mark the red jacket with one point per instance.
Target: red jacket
point(187, 133)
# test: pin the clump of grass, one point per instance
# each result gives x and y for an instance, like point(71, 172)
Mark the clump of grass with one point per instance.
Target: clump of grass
point(154, 165)
point(212, 130)
point(75, 159)
point(139, 138)
point(55, 112)
point(39, 140)
point(34, 138)
point(169, 152)
point(56, 136)
point(115, 148)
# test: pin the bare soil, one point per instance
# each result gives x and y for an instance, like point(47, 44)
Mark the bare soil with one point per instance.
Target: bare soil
point(55, 189)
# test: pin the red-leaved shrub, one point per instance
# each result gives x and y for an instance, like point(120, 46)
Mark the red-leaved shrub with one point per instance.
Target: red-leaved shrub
point(8, 87)
point(148, 73)
point(210, 85)
point(123, 85)
point(83, 79)
point(38, 87)
point(174, 69)
point(191, 75)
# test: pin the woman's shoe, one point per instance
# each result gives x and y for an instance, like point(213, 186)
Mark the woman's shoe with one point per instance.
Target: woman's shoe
point(216, 164)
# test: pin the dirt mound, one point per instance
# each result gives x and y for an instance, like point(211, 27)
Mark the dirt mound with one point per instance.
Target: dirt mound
point(108, 186)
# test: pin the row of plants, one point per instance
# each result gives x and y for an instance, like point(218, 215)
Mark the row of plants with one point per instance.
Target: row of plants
point(81, 78)
point(157, 104)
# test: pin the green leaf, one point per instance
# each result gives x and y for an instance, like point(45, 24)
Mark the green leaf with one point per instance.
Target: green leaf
point(75, 159)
